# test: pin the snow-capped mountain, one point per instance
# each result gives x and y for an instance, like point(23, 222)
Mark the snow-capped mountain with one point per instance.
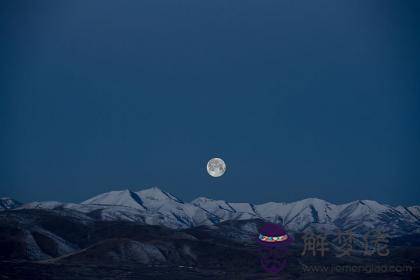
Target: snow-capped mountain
point(8, 203)
point(155, 197)
point(156, 207)
point(319, 215)
point(225, 211)
point(176, 213)
point(298, 215)
point(121, 198)
point(150, 206)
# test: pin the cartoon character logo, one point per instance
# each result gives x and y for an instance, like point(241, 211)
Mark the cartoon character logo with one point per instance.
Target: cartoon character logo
point(273, 241)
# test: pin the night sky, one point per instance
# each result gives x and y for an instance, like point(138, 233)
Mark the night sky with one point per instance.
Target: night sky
point(300, 98)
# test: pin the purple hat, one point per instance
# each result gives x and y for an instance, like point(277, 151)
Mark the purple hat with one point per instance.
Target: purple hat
point(273, 235)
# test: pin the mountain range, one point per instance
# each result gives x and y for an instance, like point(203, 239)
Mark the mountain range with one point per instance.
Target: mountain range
point(151, 234)
point(156, 207)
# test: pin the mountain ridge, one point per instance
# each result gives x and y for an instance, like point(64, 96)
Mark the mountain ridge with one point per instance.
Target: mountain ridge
point(156, 207)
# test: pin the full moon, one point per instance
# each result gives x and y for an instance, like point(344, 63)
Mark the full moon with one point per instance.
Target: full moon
point(216, 167)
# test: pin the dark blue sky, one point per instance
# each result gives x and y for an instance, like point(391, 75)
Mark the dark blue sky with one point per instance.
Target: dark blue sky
point(301, 98)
